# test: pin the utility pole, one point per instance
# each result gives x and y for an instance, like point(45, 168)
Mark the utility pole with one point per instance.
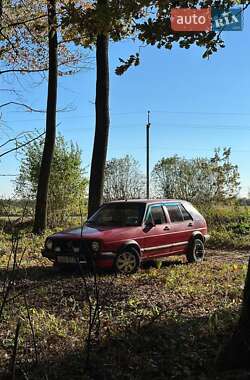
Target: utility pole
point(147, 154)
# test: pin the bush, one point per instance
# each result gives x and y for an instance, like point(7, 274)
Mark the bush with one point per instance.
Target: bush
point(229, 226)
point(67, 185)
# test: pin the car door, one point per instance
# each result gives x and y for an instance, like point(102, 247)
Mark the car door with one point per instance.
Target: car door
point(181, 225)
point(156, 227)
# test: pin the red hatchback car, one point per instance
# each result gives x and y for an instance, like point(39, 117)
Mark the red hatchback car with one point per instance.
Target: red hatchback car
point(123, 234)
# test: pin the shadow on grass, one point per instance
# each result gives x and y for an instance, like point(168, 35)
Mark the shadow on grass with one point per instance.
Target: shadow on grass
point(168, 349)
point(39, 273)
point(36, 273)
point(32, 273)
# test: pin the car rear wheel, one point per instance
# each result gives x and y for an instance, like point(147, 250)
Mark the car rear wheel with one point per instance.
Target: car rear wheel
point(196, 251)
point(127, 261)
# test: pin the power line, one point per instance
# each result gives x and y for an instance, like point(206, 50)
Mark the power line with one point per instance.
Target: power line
point(136, 125)
point(163, 111)
point(143, 112)
point(184, 126)
point(204, 113)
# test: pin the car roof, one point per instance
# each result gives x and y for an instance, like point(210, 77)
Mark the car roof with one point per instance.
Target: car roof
point(148, 201)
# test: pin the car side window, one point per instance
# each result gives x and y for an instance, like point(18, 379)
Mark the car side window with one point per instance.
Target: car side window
point(186, 215)
point(156, 215)
point(174, 213)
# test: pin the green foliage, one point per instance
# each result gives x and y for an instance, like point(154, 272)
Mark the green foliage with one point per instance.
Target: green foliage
point(200, 180)
point(240, 228)
point(228, 225)
point(221, 214)
point(133, 60)
point(123, 179)
point(148, 21)
point(67, 186)
point(153, 27)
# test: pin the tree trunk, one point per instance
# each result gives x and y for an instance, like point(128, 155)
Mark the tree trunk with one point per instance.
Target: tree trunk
point(102, 124)
point(50, 136)
point(236, 353)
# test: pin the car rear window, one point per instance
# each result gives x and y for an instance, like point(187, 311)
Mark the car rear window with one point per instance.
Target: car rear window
point(174, 212)
point(193, 211)
point(186, 215)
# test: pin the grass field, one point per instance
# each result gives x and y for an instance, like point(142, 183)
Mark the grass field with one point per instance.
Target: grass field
point(166, 323)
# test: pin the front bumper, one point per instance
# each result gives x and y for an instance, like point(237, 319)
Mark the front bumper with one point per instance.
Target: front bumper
point(102, 260)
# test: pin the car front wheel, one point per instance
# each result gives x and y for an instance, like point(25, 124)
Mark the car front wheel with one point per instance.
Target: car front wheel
point(196, 251)
point(127, 261)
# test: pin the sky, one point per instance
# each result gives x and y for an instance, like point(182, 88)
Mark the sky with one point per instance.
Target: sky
point(196, 105)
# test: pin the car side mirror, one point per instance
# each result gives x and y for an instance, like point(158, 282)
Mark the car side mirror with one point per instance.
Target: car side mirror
point(148, 225)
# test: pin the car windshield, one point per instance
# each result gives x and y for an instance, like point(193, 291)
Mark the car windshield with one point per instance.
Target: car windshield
point(118, 215)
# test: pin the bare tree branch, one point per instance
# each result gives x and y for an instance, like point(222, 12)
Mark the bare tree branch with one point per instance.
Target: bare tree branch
point(22, 105)
point(8, 175)
point(14, 354)
point(9, 41)
point(15, 138)
point(23, 22)
point(23, 70)
point(67, 108)
point(22, 145)
point(9, 90)
point(66, 62)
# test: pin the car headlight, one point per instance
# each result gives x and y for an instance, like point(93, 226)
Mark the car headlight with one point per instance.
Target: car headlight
point(95, 246)
point(49, 244)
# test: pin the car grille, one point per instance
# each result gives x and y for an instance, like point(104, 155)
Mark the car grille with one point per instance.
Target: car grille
point(67, 246)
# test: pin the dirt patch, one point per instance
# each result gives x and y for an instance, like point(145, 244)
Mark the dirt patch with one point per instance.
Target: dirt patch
point(227, 256)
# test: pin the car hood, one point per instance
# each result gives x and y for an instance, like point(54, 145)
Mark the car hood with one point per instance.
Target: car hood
point(87, 232)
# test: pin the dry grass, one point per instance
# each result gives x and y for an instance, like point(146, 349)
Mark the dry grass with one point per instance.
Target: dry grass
point(166, 323)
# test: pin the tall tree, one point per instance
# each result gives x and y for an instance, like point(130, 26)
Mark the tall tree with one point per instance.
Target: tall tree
point(50, 136)
point(97, 23)
point(112, 21)
point(102, 124)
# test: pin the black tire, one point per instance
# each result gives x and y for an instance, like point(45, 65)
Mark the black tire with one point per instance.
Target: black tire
point(196, 251)
point(127, 261)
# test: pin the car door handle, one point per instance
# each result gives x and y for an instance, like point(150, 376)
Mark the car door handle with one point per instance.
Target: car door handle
point(166, 228)
point(190, 224)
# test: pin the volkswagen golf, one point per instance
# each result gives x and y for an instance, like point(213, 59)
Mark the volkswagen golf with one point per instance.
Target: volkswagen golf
point(121, 235)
